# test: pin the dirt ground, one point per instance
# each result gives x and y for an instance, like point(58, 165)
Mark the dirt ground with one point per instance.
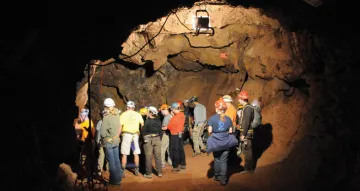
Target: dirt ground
point(197, 177)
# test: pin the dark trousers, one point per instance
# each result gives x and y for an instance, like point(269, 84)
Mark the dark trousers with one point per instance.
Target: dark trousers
point(153, 146)
point(220, 164)
point(178, 153)
point(248, 154)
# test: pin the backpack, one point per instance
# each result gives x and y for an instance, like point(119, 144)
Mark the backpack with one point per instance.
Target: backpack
point(257, 115)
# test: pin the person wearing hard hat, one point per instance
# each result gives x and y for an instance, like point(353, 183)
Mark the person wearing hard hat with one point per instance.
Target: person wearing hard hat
point(181, 105)
point(165, 140)
point(101, 149)
point(142, 163)
point(188, 124)
point(246, 135)
point(152, 143)
point(144, 111)
point(110, 140)
point(83, 124)
point(87, 146)
point(176, 127)
point(129, 122)
point(220, 141)
point(230, 111)
point(199, 125)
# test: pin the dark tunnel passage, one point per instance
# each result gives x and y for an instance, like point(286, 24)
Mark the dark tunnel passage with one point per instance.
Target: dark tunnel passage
point(311, 115)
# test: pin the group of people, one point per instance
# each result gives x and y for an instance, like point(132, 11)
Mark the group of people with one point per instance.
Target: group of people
point(160, 132)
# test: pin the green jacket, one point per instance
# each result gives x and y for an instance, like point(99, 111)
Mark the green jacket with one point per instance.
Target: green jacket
point(110, 128)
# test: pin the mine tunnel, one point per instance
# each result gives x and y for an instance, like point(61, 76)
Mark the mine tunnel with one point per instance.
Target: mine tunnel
point(297, 57)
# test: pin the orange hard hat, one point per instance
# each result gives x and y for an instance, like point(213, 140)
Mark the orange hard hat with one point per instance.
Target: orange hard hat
point(164, 106)
point(243, 95)
point(220, 104)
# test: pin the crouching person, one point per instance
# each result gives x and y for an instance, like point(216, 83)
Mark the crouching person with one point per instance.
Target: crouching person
point(110, 140)
point(152, 142)
point(220, 141)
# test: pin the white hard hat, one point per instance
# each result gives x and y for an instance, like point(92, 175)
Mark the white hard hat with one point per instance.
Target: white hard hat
point(84, 112)
point(153, 110)
point(227, 98)
point(130, 104)
point(108, 102)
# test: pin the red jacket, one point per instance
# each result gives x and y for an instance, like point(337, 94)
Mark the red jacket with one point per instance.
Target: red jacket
point(176, 123)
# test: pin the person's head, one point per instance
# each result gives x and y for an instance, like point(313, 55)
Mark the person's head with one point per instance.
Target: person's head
point(227, 99)
point(186, 103)
point(153, 112)
point(84, 113)
point(130, 105)
point(180, 104)
point(193, 101)
point(144, 111)
point(175, 107)
point(220, 108)
point(243, 97)
point(109, 106)
point(164, 108)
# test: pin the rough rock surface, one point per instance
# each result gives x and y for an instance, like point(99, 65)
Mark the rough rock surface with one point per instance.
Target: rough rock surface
point(292, 73)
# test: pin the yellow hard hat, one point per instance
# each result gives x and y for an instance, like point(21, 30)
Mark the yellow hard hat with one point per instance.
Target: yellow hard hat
point(240, 106)
point(144, 111)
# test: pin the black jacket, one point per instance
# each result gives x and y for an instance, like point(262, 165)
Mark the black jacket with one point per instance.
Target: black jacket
point(247, 118)
point(152, 126)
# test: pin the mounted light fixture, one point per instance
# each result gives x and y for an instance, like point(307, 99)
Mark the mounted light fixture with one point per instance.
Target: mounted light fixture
point(201, 23)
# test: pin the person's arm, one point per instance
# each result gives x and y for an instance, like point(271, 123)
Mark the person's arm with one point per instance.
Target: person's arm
point(141, 120)
point(102, 129)
point(158, 126)
point(247, 114)
point(121, 124)
point(146, 124)
point(93, 130)
point(209, 130)
point(164, 128)
point(77, 125)
point(195, 114)
point(119, 132)
point(97, 133)
point(164, 125)
point(230, 130)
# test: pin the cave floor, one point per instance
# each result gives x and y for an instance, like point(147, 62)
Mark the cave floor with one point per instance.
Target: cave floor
point(195, 177)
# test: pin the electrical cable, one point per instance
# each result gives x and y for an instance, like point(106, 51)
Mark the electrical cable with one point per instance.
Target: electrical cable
point(209, 46)
point(112, 61)
point(126, 56)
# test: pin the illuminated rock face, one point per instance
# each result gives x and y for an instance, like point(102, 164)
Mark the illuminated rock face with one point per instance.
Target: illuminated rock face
point(250, 51)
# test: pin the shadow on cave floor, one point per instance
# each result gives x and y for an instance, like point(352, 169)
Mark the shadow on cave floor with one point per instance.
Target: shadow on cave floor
point(262, 140)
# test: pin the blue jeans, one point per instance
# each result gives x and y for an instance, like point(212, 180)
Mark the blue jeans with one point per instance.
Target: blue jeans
point(113, 157)
point(220, 164)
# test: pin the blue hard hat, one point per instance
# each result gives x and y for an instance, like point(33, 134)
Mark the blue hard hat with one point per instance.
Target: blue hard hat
point(175, 105)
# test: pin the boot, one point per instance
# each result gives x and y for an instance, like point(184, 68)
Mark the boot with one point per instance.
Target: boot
point(177, 169)
point(136, 172)
point(148, 176)
point(195, 154)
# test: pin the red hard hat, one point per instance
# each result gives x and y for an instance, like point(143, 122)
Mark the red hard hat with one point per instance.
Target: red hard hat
point(180, 102)
point(243, 95)
point(220, 104)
